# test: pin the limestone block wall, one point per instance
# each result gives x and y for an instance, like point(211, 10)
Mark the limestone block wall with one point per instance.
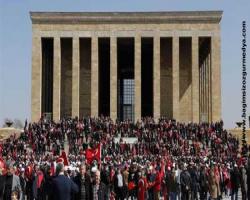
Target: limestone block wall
point(157, 25)
point(237, 132)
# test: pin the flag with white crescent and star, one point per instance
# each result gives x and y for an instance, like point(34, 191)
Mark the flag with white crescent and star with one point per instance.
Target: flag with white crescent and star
point(93, 154)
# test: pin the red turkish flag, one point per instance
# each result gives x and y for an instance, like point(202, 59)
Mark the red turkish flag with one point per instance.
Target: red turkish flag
point(63, 158)
point(93, 154)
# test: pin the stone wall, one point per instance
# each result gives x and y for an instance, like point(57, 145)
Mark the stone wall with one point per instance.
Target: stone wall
point(135, 25)
point(185, 80)
point(7, 132)
point(238, 133)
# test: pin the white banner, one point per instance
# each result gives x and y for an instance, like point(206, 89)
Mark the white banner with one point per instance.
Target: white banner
point(128, 140)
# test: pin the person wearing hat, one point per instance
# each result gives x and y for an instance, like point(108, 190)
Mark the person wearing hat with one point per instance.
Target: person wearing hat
point(10, 183)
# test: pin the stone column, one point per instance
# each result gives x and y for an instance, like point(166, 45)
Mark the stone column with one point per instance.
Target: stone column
point(36, 93)
point(176, 75)
point(207, 94)
point(216, 78)
point(204, 87)
point(209, 87)
point(94, 77)
point(57, 79)
point(137, 74)
point(200, 94)
point(156, 78)
point(75, 78)
point(195, 79)
point(113, 78)
point(202, 90)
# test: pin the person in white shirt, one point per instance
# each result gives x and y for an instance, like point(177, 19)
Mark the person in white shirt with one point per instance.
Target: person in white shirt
point(119, 185)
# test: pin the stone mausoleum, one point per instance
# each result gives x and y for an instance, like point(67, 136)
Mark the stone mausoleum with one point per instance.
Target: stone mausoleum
point(127, 65)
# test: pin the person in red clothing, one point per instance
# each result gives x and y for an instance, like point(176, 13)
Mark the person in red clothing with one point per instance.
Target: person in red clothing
point(158, 181)
point(142, 186)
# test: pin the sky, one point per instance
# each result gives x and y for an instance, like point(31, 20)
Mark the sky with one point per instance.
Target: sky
point(15, 46)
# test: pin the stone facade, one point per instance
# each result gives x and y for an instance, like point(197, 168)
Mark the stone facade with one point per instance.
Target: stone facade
point(57, 79)
point(94, 77)
point(156, 78)
point(195, 80)
point(176, 79)
point(216, 79)
point(185, 79)
point(113, 78)
point(177, 72)
point(36, 79)
point(75, 78)
point(137, 72)
point(238, 133)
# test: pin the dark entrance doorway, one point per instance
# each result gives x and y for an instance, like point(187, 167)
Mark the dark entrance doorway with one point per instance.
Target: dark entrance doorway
point(147, 77)
point(104, 76)
point(47, 77)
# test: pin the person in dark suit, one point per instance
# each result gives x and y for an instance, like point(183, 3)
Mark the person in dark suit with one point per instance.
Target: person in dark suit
point(62, 186)
point(235, 180)
point(84, 183)
point(10, 183)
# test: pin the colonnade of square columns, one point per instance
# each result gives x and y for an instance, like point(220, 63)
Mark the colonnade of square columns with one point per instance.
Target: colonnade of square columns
point(212, 78)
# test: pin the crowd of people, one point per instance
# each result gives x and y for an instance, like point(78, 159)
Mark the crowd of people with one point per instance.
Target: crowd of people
point(92, 158)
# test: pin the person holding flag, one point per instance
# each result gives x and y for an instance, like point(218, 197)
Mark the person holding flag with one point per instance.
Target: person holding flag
point(92, 154)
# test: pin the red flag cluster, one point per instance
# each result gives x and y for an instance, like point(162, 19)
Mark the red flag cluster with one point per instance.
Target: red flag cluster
point(93, 154)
